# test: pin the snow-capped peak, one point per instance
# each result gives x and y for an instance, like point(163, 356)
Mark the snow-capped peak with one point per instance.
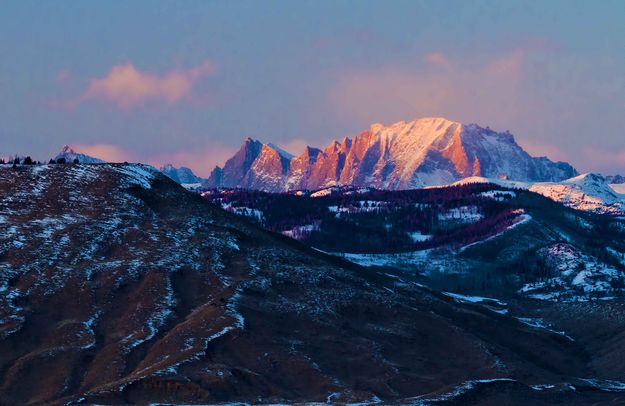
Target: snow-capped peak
point(587, 178)
point(588, 191)
point(70, 155)
point(593, 184)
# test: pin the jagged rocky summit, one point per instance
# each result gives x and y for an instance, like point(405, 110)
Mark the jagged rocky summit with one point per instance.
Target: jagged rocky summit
point(405, 155)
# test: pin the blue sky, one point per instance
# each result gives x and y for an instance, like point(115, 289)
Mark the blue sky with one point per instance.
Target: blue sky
point(185, 82)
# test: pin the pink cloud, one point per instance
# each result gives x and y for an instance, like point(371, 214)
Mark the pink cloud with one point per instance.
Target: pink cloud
point(63, 75)
point(202, 161)
point(543, 149)
point(489, 91)
point(437, 59)
point(128, 87)
point(106, 152)
point(510, 65)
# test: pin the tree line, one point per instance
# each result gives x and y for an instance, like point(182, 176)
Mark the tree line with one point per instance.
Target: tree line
point(16, 160)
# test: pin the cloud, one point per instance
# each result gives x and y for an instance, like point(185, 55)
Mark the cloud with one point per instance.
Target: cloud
point(524, 89)
point(106, 152)
point(535, 148)
point(486, 92)
point(437, 59)
point(509, 65)
point(127, 87)
point(202, 161)
point(63, 75)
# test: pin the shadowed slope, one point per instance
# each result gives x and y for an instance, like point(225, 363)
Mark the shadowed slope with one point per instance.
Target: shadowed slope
point(117, 286)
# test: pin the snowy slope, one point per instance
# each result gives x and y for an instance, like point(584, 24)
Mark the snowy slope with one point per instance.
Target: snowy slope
point(589, 192)
point(618, 187)
point(575, 276)
point(585, 192)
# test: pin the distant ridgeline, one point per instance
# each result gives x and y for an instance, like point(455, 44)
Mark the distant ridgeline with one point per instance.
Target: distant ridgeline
point(480, 236)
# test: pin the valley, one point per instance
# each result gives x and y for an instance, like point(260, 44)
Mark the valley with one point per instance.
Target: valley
point(119, 286)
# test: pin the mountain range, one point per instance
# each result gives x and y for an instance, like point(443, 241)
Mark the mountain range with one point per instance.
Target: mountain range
point(481, 291)
point(404, 155)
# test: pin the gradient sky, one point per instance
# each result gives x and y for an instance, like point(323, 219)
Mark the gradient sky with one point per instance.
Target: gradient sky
point(185, 82)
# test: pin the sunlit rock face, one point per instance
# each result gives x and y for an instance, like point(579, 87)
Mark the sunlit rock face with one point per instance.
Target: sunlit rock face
point(423, 152)
point(237, 167)
point(301, 168)
point(268, 171)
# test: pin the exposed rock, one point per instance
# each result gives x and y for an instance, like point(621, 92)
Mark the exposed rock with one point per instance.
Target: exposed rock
point(405, 155)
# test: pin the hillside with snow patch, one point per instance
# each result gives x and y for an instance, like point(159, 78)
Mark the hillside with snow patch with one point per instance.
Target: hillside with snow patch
point(119, 287)
point(588, 192)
